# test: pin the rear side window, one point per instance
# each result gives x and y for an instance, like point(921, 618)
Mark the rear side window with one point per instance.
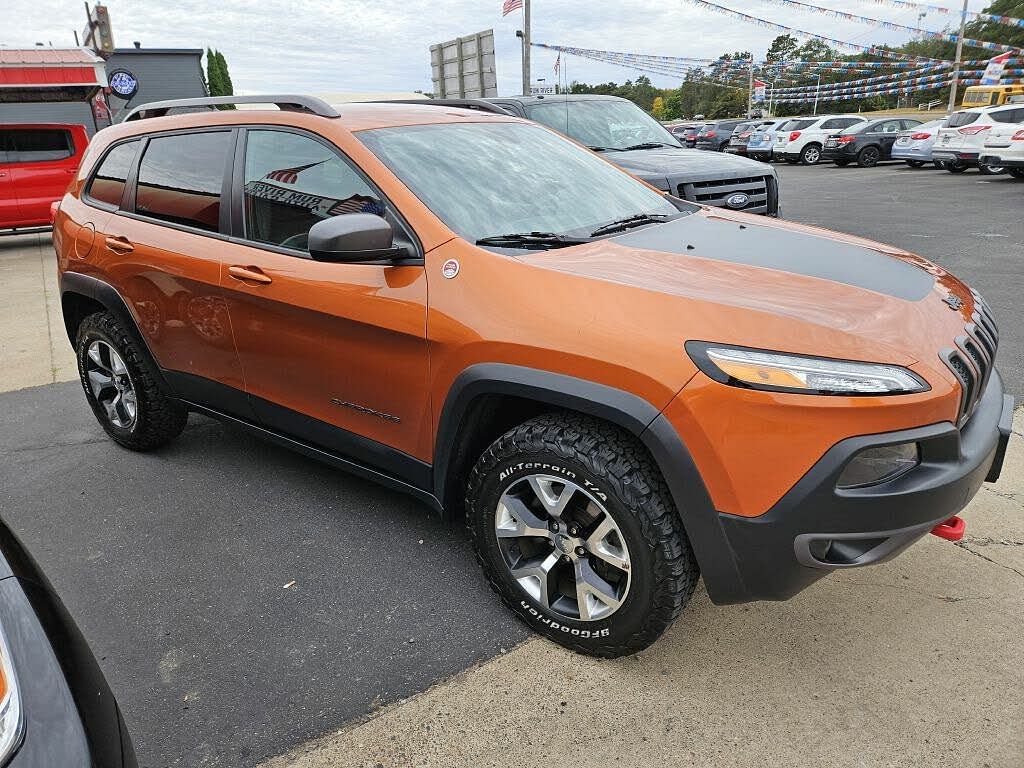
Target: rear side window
point(958, 119)
point(180, 179)
point(799, 125)
point(36, 145)
point(1008, 115)
point(292, 182)
point(107, 186)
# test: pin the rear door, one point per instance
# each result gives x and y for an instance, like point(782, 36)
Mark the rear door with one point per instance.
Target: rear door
point(41, 163)
point(334, 354)
point(164, 250)
point(886, 133)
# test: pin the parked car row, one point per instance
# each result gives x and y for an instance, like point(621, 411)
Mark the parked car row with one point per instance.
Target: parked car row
point(988, 138)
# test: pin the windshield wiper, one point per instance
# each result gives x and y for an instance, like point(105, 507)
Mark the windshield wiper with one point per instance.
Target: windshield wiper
point(648, 145)
point(605, 149)
point(629, 222)
point(531, 240)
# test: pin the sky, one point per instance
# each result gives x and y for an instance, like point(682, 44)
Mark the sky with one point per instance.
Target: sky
point(324, 46)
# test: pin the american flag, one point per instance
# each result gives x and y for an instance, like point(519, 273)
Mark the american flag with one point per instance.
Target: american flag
point(510, 5)
point(357, 204)
point(558, 63)
point(290, 175)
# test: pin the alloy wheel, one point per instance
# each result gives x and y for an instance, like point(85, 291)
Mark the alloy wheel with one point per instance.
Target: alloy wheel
point(111, 384)
point(563, 547)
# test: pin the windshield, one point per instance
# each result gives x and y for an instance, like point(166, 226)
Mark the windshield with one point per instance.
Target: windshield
point(601, 122)
point(487, 179)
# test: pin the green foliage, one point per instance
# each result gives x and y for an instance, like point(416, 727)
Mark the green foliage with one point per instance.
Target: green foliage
point(218, 80)
point(783, 48)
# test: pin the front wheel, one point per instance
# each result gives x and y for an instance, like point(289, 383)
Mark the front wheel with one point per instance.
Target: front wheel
point(914, 163)
point(576, 531)
point(121, 387)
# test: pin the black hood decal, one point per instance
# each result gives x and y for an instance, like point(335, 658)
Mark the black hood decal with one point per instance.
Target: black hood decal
point(800, 253)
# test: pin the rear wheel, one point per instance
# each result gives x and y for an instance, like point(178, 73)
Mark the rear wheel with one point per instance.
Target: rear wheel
point(991, 170)
point(868, 157)
point(1017, 173)
point(121, 387)
point(955, 166)
point(576, 531)
point(914, 163)
point(810, 155)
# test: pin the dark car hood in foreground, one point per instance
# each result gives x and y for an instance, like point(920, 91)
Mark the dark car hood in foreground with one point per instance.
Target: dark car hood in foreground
point(668, 167)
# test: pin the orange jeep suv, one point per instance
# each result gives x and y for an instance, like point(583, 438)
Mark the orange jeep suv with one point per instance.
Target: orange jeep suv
point(622, 391)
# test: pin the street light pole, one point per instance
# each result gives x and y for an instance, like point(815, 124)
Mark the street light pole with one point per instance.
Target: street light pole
point(956, 64)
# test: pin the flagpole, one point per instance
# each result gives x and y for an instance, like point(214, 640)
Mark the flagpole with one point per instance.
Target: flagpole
point(956, 64)
point(527, 81)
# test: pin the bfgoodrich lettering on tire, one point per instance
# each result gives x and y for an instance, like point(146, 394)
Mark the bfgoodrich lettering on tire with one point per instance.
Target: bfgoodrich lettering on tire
point(575, 529)
point(121, 387)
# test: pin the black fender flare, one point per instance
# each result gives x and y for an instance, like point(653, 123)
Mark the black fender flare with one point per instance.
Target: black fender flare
point(108, 296)
point(628, 411)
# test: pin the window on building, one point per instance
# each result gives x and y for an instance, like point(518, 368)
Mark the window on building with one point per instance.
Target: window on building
point(180, 179)
point(107, 185)
point(36, 145)
point(292, 182)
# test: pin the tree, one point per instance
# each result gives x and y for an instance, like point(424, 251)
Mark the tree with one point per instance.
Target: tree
point(217, 78)
point(658, 108)
point(815, 50)
point(783, 48)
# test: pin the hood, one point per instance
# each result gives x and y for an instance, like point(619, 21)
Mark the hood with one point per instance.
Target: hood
point(772, 284)
point(686, 165)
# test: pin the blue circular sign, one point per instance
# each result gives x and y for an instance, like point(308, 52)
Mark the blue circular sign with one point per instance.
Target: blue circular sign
point(123, 83)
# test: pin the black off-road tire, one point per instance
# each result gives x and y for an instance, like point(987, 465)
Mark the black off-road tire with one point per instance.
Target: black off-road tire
point(159, 418)
point(615, 468)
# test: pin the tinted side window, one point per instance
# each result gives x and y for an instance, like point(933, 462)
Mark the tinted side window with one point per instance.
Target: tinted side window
point(37, 146)
point(107, 185)
point(180, 179)
point(1008, 115)
point(889, 126)
point(799, 125)
point(292, 182)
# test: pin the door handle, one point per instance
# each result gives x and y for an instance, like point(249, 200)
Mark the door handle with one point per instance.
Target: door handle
point(250, 274)
point(119, 245)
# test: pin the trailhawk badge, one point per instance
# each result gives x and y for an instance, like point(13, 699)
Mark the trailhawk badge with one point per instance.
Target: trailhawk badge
point(450, 268)
point(739, 200)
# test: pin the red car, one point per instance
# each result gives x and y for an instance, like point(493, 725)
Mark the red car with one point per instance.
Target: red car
point(36, 163)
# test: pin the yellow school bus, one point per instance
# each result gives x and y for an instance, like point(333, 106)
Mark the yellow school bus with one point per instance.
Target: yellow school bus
point(990, 95)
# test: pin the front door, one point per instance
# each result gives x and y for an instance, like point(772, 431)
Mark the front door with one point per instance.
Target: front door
point(332, 354)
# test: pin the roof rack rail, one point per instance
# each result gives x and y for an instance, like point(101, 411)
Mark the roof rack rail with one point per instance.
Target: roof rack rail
point(480, 105)
point(286, 103)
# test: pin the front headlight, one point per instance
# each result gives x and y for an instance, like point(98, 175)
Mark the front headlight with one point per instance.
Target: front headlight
point(782, 372)
point(12, 726)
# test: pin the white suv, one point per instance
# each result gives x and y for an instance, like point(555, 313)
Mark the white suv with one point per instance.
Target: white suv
point(1004, 147)
point(804, 137)
point(960, 142)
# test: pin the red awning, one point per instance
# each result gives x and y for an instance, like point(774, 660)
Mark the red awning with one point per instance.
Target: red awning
point(34, 68)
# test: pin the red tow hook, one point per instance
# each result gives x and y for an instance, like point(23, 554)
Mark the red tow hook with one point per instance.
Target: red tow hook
point(951, 530)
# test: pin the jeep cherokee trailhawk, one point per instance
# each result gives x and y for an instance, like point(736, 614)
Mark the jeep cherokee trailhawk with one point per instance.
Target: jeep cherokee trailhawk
point(621, 390)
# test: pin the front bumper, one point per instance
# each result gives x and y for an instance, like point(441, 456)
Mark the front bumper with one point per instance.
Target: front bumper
point(816, 528)
point(991, 159)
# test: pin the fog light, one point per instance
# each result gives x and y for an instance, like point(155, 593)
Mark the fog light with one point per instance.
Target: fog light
point(876, 465)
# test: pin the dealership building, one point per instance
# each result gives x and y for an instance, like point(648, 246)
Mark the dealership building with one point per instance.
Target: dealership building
point(76, 86)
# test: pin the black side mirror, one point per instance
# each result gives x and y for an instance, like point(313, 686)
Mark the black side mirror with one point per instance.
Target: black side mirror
point(353, 237)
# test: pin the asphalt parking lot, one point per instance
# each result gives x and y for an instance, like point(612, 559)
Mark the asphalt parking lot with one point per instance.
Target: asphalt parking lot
point(175, 565)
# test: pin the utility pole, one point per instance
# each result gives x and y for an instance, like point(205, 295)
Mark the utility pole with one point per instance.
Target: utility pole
point(527, 81)
point(956, 64)
point(750, 89)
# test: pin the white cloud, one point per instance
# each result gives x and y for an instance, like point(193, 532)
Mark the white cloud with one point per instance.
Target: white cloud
point(349, 45)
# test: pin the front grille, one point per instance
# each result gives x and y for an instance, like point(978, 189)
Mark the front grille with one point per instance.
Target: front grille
point(760, 190)
point(973, 359)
